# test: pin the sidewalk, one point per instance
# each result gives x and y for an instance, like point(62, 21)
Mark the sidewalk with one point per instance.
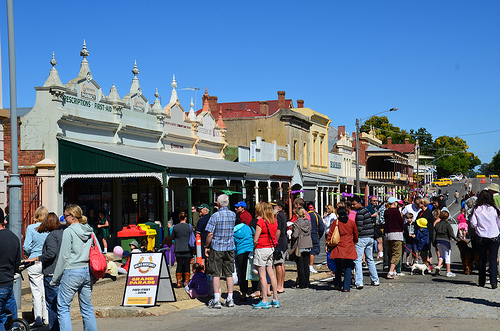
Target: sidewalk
point(107, 296)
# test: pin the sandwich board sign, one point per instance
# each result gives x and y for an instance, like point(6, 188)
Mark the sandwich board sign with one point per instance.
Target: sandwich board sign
point(148, 281)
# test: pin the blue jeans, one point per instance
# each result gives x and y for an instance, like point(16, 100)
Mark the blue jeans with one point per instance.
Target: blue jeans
point(7, 302)
point(72, 281)
point(51, 301)
point(365, 245)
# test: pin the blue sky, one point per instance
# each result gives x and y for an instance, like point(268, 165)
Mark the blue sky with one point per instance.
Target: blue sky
point(437, 61)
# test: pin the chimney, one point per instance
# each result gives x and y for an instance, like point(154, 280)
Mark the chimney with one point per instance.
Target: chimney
point(300, 103)
point(407, 141)
point(264, 107)
point(341, 131)
point(281, 100)
point(389, 140)
point(212, 103)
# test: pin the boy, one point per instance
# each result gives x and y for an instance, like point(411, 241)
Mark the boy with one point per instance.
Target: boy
point(410, 233)
point(422, 239)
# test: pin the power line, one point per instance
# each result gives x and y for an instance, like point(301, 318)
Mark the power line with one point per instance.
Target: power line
point(429, 134)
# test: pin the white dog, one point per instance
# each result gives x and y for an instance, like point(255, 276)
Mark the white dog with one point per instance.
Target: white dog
point(418, 266)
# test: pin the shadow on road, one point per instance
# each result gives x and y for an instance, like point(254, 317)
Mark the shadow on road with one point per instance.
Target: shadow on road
point(478, 301)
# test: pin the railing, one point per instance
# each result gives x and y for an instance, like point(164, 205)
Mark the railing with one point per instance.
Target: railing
point(386, 175)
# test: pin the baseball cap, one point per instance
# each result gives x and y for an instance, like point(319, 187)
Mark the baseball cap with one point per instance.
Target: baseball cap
point(392, 200)
point(278, 203)
point(311, 207)
point(241, 204)
point(204, 205)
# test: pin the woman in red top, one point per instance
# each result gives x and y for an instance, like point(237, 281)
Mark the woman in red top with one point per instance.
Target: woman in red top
point(264, 241)
point(345, 252)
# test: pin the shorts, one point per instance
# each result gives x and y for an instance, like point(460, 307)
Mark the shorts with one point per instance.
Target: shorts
point(220, 264)
point(263, 257)
point(280, 261)
point(410, 248)
point(315, 249)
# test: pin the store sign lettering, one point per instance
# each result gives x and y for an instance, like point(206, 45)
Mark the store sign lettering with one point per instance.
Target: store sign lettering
point(335, 165)
point(176, 125)
point(88, 92)
point(210, 132)
point(139, 105)
point(87, 103)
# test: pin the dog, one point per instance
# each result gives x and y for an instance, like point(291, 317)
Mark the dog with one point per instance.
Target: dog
point(468, 256)
point(420, 267)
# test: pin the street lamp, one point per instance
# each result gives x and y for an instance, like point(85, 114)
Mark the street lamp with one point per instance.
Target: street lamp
point(357, 144)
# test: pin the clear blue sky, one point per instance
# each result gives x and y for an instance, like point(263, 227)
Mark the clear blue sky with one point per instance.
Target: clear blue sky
point(437, 61)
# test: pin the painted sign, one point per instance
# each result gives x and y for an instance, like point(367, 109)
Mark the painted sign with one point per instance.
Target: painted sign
point(88, 91)
point(281, 154)
point(146, 275)
point(68, 99)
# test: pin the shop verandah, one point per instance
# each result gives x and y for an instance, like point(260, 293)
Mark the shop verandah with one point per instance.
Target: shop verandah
point(132, 184)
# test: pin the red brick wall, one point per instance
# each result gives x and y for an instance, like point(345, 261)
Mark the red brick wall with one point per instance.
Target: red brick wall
point(25, 158)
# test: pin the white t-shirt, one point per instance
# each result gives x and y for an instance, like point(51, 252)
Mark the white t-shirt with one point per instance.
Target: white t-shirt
point(327, 221)
point(410, 208)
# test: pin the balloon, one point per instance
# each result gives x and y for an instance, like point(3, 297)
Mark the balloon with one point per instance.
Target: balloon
point(118, 251)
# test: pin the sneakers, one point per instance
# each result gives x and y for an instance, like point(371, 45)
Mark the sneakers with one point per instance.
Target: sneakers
point(261, 305)
point(275, 304)
point(437, 270)
point(312, 270)
point(392, 275)
point(376, 283)
point(36, 324)
point(450, 274)
point(229, 303)
point(214, 304)
point(401, 274)
point(358, 287)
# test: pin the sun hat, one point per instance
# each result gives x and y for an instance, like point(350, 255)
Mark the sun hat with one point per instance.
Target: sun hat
point(422, 222)
point(392, 200)
point(493, 187)
point(135, 243)
point(126, 253)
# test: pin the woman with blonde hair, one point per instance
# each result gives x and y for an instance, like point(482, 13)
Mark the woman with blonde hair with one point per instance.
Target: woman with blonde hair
point(329, 217)
point(72, 269)
point(33, 244)
point(264, 241)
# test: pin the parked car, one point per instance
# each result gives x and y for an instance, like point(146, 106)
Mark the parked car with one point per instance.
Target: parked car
point(456, 177)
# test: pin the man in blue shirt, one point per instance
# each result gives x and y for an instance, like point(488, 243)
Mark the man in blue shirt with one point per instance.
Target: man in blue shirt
point(219, 248)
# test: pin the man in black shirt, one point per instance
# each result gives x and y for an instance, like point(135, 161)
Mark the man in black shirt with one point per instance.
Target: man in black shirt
point(202, 224)
point(10, 258)
point(282, 243)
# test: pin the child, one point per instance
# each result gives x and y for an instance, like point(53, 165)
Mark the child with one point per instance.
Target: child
point(112, 269)
point(409, 235)
point(123, 269)
point(462, 225)
point(134, 247)
point(443, 232)
point(198, 285)
point(422, 238)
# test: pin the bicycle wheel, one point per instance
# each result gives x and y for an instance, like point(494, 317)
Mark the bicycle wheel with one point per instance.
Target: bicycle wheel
point(19, 324)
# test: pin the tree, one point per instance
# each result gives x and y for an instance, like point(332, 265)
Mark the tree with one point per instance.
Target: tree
point(385, 129)
point(460, 161)
point(484, 169)
point(424, 140)
point(495, 164)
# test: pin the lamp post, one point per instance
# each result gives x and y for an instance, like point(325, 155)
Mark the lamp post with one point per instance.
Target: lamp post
point(357, 144)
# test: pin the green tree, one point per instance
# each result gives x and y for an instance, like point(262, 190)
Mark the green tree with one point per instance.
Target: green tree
point(424, 140)
point(495, 164)
point(484, 169)
point(385, 129)
point(460, 160)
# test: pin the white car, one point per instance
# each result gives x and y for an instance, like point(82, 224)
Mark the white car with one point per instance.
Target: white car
point(456, 177)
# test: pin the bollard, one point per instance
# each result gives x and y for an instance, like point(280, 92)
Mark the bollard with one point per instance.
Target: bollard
point(198, 249)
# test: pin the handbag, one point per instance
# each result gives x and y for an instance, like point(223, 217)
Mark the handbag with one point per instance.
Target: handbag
point(250, 274)
point(192, 238)
point(97, 260)
point(335, 237)
point(277, 255)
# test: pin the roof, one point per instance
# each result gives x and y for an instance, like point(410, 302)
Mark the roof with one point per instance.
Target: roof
point(247, 108)
point(376, 149)
point(279, 168)
point(177, 162)
point(402, 148)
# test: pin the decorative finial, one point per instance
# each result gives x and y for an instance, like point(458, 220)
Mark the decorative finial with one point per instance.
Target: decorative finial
point(84, 51)
point(135, 71)
point(53, 61)
point(191, 104)
point(174, 84)
point(157, 95)
point(206, 92)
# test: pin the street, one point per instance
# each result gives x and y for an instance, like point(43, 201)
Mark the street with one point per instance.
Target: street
point(410, 302)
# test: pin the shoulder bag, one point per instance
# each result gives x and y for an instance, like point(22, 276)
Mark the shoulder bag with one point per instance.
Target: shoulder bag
point(277, 255)
point(335, 238)
point(192, 237)
point(97, 261)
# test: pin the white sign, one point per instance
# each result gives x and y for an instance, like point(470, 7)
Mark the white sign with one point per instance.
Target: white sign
point(146, 275)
